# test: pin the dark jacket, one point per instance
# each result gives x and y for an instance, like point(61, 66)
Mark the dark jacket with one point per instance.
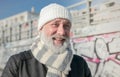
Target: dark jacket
point(25, 65)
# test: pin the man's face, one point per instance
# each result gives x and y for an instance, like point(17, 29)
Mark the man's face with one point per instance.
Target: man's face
point(58, 30)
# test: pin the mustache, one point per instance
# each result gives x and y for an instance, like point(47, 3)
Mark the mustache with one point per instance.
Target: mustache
point(59, 36)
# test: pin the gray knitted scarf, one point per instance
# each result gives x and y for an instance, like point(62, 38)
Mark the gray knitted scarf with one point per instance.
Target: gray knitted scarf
point(58, 63)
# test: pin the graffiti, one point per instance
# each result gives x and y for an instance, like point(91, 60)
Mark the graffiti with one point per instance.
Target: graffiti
point(114, 45)
point(100, 51)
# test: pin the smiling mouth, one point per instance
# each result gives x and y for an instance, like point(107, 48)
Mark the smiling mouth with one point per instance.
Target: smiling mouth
point(58, 40)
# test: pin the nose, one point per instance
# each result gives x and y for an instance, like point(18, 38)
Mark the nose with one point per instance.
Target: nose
point(61, 30)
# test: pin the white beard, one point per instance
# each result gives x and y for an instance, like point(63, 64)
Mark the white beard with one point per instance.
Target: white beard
point(50, 45)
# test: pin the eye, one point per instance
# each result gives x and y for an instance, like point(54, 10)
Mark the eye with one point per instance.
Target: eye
point(67, 26)
point(55, 24)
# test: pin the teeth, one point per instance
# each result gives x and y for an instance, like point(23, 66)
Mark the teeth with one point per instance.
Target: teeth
point(58, 38)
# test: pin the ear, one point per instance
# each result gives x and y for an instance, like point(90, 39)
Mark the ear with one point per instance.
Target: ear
point(71, 34)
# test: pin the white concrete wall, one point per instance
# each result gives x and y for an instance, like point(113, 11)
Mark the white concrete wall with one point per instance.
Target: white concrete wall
point(100, 47)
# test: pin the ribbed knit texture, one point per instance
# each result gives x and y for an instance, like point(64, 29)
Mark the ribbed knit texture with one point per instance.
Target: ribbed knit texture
point(51, 12)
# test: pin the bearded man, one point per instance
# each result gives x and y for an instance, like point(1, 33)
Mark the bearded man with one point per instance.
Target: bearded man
point(50, 54)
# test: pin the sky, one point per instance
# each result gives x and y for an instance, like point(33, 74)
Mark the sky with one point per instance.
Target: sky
point(12, 7)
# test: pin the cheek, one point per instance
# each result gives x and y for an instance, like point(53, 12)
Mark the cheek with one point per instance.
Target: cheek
point(49, 31)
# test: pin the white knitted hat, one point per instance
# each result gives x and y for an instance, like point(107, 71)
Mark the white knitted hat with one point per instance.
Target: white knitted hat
point(51, 12)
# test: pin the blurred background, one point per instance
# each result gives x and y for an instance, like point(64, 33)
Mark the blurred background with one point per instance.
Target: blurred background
point(95, 34)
